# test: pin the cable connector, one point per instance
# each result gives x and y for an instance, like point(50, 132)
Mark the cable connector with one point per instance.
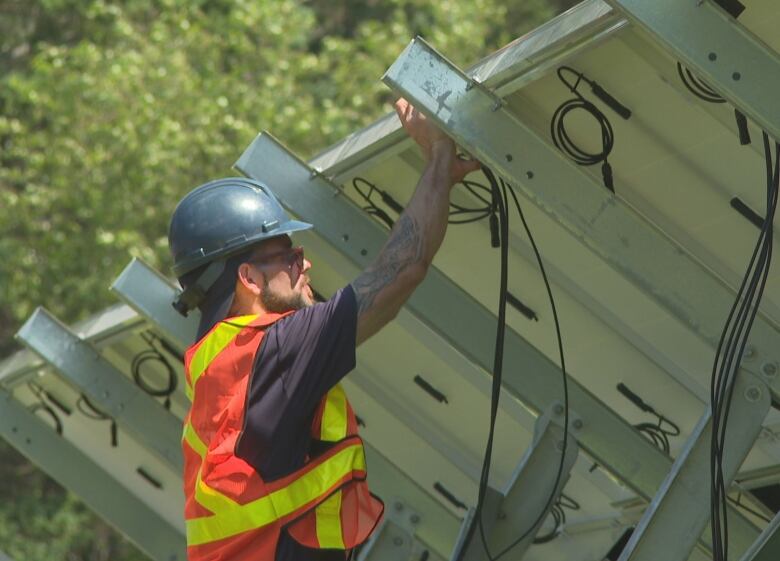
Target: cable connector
point(495, 240)
point(606, 175)
point(613, 103)
point(634, 398)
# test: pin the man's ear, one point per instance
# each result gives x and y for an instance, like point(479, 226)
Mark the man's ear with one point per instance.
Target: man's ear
point(250, 278)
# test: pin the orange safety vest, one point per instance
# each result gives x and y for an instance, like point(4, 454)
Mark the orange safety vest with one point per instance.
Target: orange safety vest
point(231, 512)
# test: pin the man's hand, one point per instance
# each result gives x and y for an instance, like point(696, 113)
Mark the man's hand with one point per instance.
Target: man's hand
point(432, 140)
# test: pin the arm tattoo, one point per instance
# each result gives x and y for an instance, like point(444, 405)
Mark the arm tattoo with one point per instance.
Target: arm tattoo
point(404, 248)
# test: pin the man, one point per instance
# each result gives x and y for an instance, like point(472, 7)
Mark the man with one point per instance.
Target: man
point(274, 469)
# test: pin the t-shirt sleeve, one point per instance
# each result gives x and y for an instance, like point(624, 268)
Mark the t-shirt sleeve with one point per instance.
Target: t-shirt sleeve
point(315, 347)
point(300, 358)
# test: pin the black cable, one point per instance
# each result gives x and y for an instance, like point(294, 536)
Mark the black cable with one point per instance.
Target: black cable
point(498, 358)
point(153, 354)
point(750, 308)
point(41, 406)
point(371, 207)
point(729, 355)
point(736, 343)
point(697, 86)
point(88, 409)
point(563, 140)
point(559, 518)
point(705, 92)
point(46, 397)
point(458, 214)
point(501, 200)
point(656, 432)
point(559, 473)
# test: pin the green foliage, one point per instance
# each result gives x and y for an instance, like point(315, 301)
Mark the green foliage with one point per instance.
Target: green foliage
point(111, 111)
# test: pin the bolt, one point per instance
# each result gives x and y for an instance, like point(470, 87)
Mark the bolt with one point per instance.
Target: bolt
point(750, 352)
point(508, 157)
point(106, 394)
point(398, 542)
point(364, 252)
point(399, 506)
point(753, 394)
point(121, 407)
point(529, 174)
point(345, 237)
point(414, 519)
point(712, 56)
point(769, 369)
point(559, 446)
point(496, 105)
point(558, 409)
point(577, 424)
point(736, 76)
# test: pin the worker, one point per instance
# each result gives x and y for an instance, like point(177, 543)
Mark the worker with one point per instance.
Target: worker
point(274, 469)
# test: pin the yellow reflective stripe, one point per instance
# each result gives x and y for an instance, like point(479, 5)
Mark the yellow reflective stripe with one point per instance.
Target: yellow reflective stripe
point(334, 415)
point(205, 495)
point(234, 520)
point(214, 344)
point(328, 518)
point(211, 498)
point(191, 437)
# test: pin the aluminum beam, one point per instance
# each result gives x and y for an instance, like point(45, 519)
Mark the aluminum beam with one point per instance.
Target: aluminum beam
point(721, 51)
point(516, 510)
point(681, 509)
point(149, 293)
point(78, 473)
point(114, 393)
point(457, 327)
point(767, 546)
point(626, 241)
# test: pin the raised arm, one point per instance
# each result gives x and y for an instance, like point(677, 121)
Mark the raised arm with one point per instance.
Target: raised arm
point(403, 262)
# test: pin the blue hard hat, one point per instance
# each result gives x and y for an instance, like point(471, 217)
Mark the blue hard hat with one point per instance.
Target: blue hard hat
point(222, 218)
point(212, 226)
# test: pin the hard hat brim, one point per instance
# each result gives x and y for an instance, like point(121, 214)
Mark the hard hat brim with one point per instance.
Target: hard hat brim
point(192, 263)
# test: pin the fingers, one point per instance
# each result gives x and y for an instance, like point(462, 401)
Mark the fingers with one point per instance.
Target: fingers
point(406, 111)
point(403, 109)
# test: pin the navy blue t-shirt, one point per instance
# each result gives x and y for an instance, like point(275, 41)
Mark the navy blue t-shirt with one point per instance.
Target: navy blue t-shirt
point(300, 358)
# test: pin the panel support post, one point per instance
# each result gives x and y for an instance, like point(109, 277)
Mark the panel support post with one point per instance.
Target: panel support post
point(112, 392)
point(523, 506)
point(681, 509)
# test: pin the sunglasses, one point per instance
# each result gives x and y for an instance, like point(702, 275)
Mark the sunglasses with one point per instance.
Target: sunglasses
point(289, 256)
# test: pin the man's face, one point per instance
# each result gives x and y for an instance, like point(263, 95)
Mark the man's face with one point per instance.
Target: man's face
point(285, 282)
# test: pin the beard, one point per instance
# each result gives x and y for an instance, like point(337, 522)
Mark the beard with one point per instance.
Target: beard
point(276, 303)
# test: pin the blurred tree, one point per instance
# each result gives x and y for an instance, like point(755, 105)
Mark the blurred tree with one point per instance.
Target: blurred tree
point(111, 111)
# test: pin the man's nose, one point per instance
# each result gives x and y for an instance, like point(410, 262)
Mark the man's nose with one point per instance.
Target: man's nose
point(306, 264)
